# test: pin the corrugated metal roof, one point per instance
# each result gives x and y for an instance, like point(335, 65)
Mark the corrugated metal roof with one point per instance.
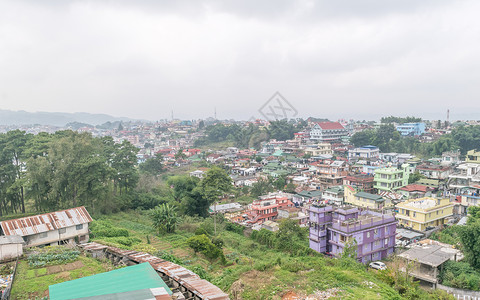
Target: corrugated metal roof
point(46, 222)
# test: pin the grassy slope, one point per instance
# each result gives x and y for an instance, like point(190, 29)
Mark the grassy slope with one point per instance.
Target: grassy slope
point(257, 272)
point(31, 282)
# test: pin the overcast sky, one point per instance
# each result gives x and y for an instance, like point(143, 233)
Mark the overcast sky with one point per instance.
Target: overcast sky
point(143, 59)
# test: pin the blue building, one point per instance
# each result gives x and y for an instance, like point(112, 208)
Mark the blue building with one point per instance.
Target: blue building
point(411, 129)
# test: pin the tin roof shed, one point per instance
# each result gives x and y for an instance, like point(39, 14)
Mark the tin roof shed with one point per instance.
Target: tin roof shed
point(46, 222)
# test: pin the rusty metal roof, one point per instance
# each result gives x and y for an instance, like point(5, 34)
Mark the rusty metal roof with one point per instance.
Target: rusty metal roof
point(201, 288)
point(46, 222)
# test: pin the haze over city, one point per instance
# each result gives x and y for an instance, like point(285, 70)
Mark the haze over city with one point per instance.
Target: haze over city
point(332, 59)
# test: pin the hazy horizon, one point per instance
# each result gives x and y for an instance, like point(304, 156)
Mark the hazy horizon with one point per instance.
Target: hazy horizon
point(329, 59)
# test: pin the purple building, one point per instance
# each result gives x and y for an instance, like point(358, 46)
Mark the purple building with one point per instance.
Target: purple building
point(331, 229)
point(320, 219)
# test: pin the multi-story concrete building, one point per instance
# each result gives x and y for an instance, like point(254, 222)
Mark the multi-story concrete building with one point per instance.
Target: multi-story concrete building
point(363, 199)
point(464, 183)
point(320, 218)
point(331, 173)
point(434, 171)
point(328, 131)
point(331, 230)
point(365, 152)
point(266, 208)
point(319, 149)
point(473, 156)
point(361, 182)
point(451, 157)
point(421, 213)
point(333, 195)
point(391, 179)
point(411, 129)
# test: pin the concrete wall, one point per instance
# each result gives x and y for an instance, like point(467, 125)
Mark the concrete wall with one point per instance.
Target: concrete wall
point(54, 236)
point(459, 293)
point(10, 251)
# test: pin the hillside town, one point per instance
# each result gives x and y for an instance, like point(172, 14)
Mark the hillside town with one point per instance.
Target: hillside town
point(317, 175)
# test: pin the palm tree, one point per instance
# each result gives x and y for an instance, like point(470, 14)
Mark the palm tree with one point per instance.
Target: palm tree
point(164, 218)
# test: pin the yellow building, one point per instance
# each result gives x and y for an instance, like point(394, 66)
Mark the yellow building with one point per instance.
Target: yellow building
point(322, 149)
point(473, 156)
point(421, 213)
point(363, 199)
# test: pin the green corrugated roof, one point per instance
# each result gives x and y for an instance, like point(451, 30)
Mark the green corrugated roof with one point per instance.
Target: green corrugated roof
point(335, 189)
point(374, 197)
point(133, 278)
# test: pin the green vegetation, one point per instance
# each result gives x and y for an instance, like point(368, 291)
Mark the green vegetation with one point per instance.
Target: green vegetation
point(460, 275)
point(260, 266)
point(250, 136)
point(32, 282)
point(389, 140)
point(51, 255)
point(449, 235)
point(65, 169)
point(164, 218)
point(400, 120)
point(465, 274)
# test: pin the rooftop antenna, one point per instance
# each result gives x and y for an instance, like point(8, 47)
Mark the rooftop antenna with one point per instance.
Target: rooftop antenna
point(172, 114)
point(448, 116)
point(215, 112)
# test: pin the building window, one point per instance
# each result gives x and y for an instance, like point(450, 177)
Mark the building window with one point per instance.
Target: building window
point(377, 243)
point(62, 230)
point(414, 214)
point(368, 234)
point(375, 231)
point(79, 227)
point(43, 235)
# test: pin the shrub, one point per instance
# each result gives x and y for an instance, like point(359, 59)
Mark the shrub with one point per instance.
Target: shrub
point(144, 248)
point(199, 243)
point(460, 275)
point(200, 271)
point(101, 229)
point(200, 231)
point(123, 240)
point(202, 244)
point(234, 227)
point(169, 256)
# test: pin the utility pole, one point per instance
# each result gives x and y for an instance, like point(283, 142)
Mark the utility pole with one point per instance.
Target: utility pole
point(215, 217)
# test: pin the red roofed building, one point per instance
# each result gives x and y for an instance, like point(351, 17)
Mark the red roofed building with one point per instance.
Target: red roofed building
point(414, 191)
point(328, 131)
point(266, 208)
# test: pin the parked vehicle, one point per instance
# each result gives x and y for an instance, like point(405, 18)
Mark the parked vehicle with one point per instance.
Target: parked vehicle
point(377, 265)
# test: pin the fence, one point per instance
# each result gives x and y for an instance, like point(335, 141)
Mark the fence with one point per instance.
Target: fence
point(459, 293)
point(8, 290)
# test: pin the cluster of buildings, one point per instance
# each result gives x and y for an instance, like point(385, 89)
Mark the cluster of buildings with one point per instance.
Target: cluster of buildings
point(361, 194)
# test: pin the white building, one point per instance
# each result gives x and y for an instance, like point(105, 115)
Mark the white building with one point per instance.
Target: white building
point(328, 131)
point(365, 152)
point(197, 173)
point(56, 228)
point(11, 247)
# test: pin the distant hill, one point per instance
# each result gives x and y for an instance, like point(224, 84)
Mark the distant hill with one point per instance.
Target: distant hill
point(9, 117)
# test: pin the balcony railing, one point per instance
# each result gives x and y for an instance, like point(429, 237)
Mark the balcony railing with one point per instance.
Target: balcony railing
point(362, 224)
